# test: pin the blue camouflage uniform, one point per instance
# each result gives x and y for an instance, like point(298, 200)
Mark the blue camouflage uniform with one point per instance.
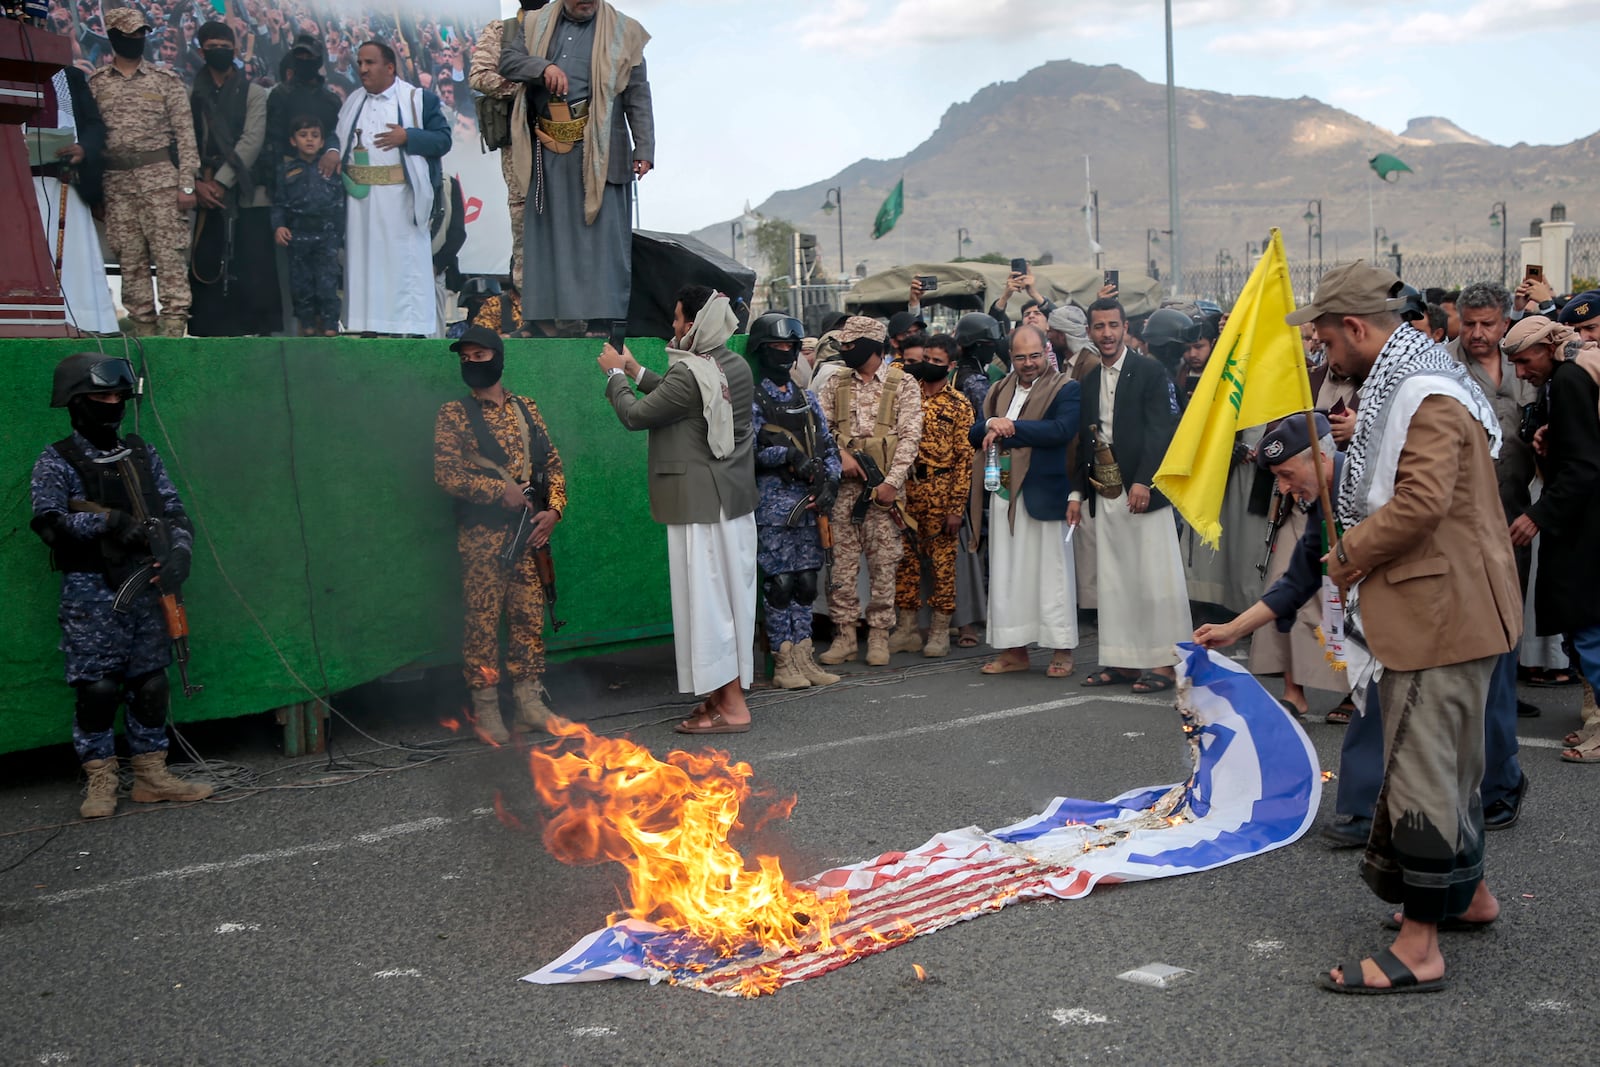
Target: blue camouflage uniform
point(99, 642)
point(312, 207)
point(783, 549)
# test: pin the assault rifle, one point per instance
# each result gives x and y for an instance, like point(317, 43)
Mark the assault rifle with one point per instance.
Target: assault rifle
point(872, 474)
point(158, 534)
point(537, 493)
point(1277, 515)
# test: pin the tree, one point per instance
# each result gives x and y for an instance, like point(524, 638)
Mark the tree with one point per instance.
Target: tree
point(987, 257)
point(774, 241)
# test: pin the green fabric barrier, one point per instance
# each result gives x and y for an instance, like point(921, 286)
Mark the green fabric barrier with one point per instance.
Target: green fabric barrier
point(307, 465)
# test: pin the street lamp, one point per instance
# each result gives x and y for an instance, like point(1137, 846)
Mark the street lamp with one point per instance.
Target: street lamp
point(1313, 216)
point(735, 235)
point(1225, 262)
point(1394, 255)
point(1152, 236)
point(1380, 237)
point(1497, 220)
point(963, 239)
point(835, 202)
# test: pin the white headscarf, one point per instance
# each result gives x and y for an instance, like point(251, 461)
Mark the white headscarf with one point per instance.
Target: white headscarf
point(711, 330)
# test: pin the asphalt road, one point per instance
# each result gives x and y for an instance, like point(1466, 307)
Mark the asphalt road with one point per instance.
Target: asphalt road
point(386, 919)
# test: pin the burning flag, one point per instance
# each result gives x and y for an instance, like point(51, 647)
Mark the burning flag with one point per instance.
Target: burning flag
point(1255, 787)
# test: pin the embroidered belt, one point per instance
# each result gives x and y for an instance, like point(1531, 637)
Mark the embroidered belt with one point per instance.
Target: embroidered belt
point(386, 174)
point(567, 132)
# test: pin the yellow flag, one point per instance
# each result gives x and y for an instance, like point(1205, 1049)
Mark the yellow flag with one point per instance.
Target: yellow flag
point(1257, 374)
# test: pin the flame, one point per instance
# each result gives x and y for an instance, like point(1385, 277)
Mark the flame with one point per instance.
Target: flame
point(922, 974)
point(668, 823)
point(451, 724)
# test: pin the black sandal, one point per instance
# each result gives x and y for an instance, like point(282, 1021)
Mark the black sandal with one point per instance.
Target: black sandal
point(1401, 978)
point(1109, 676)
point(1152, 683)
point(1341, 715)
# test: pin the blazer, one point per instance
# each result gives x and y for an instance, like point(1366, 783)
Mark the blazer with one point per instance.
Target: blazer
point(1048, 483)
point(1145, 418)
point(1441, 585)
point(1568, 511)
point(687, 484)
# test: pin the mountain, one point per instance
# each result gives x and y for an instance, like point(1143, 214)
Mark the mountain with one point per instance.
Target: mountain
point(1008, 165)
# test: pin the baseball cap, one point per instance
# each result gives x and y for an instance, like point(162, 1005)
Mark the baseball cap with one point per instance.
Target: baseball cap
point(902, 321)
point(483, 337)
point(1353, 289)
point(127, 20)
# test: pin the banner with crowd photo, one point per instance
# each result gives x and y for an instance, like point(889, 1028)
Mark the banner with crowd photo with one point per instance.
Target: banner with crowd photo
point(433, 50)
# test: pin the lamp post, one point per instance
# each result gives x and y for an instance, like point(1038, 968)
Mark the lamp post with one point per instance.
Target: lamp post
point(1172, 163)
point(735, 235)
point(963, 239)
point(1380, 237)
point(1152, 236)
point(1497, 220)
point(833, 203)
point(1224, 261)
point(1313, 217)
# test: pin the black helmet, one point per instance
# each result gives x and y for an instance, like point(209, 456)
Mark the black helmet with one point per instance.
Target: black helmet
point(773, 327)
point(90, 372)
point(1415, 307)
point(1210, 319)
point(479, 287)
point(975, 328)
point(1169, 326)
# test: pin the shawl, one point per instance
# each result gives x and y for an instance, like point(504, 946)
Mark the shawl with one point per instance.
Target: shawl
point(710, 332)
point(997, 403)
point(418, 179)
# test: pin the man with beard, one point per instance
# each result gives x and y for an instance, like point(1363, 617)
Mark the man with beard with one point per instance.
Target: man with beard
point(1033, 414)
point(493, 454)
point(936, 496)
point(83, 509)
point(582, 66)
point(797, 475)
point(234, 266)
point(484, 76)
point(1425, 548)
point(703, 489)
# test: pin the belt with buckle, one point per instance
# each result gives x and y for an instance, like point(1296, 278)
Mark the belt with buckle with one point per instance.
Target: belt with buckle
point(135, 160)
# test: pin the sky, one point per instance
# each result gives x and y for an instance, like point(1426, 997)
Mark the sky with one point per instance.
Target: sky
point(754, 96)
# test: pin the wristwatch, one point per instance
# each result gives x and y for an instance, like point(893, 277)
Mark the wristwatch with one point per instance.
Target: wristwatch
point(612, 372)
point(186, 190)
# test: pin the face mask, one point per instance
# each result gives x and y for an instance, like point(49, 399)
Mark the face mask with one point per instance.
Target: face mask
point(97, 422)
point(219, 59)
point(127, 47)
point(306, 69)
point(856, 356)
point(483, 375)
point(927, 373)
point(776, 364)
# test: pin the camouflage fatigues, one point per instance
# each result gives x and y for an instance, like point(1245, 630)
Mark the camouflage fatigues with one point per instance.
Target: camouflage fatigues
point(877, 536)
point(98, 642)
point(312, 207)
point(487, 588)
point(484, 76)
point(148, 111)
point(490, 314)
point(940, 484)
point(784, 549)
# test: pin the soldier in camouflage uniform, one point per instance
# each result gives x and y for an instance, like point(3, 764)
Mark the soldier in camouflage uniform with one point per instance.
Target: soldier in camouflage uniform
point(308, 218)
point(875, 408)
point(483, 74)
point(82, 510)
point(151, 163)
point(489, 449)
point(936, 500)
point(796, 462)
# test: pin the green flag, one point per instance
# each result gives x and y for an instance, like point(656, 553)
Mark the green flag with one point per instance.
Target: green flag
point(889, 213)
point(1384, 165)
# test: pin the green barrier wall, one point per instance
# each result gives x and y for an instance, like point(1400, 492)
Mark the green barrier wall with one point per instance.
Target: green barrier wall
point(307, 467)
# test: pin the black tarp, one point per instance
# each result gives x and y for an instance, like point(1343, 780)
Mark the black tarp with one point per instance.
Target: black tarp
point(663, 263)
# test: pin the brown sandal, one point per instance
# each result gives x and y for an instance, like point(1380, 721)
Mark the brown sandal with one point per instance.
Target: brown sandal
point(715, 724)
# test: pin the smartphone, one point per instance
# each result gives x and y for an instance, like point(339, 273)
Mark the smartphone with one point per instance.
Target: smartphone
point(1338, 408)
point(1019, 266)
point(1534, 270)
point(929, 282)
point(1112, 276)
point(619, 335)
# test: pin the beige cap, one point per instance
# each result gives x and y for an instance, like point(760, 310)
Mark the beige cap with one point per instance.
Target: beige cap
point(1353, 289)
point(1533, 330)
point(127, 20)
point(861, 328)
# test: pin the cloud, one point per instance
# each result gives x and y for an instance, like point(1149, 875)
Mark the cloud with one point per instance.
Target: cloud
point(1446, 25)
point(862, 27)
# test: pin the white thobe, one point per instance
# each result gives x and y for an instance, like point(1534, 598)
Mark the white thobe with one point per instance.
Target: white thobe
point(388, 272)
point(84, 288)
point(712, 570)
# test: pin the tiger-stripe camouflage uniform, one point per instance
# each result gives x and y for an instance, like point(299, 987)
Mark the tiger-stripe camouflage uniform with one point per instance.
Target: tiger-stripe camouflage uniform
point(939, 486)
point(484, 527)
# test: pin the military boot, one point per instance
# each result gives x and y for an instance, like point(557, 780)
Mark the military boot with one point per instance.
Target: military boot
point(486, 716)
point(807, 665)
point(532, 714)
point(102, 796)
point(938, 637)
point(843, 649)
point(905, 637)
point(152, 782)
point(172, 325)
point(786, 672)
point(877, 647)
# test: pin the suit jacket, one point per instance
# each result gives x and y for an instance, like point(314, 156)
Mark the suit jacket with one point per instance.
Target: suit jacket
point(687, 484)
point(1568, 511)
point(91, 130)
point(1144, 420)
point(1047, 483)
point(1441, 584)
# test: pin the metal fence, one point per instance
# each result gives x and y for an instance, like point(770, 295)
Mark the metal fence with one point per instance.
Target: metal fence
point(1583, 258)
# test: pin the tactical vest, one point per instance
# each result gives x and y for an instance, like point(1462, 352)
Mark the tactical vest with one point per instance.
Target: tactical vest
point(882, 442)
point(788, 424)
point(537, 445)
point(103, 485)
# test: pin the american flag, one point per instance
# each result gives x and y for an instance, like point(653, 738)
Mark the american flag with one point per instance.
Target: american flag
point(1255, 787)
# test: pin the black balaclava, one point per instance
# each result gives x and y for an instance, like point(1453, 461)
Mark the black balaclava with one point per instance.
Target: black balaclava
point(127, 46)
point(97, 421)
point(483, 375)
point(307, 68)
point(926, 372)
point(776, 364)
point(219, 59)
point(858, 352)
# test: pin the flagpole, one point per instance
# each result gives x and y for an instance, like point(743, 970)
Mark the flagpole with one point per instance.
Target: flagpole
point(1372, 219)
point(1324, 496)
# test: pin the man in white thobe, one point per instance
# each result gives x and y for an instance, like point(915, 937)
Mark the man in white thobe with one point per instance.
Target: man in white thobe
point(394, 135)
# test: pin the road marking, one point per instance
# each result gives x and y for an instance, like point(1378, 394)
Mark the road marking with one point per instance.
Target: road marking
point(1265, 948)
point(593, 1031)
point(238, 928)
point(1078, 1017)
point(954, 724)
point(1539, 742)
point(1558, 1007)
point(398, 972)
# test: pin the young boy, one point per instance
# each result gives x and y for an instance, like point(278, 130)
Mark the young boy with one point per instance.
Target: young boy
point(308, 216)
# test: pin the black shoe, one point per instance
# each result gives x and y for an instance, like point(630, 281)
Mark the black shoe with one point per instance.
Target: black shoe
point(1526, 710)
point(1352, 833)
point(1504, 813)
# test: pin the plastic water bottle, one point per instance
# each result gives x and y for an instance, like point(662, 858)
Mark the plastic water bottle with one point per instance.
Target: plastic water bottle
point(991, 468)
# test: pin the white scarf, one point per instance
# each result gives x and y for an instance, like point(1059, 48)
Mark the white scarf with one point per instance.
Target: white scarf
point(409, 98)
point(711, 330)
